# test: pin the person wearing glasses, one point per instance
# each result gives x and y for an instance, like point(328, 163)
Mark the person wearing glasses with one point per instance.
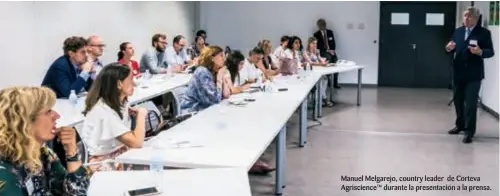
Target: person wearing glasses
point(95, 48)
point(176, 55)
point(153, 59)
point(71, 71)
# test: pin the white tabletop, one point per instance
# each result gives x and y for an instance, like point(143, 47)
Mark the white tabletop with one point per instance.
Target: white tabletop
point(226, 135)
point(336, 69)
point(147, 89)
point(186, 182)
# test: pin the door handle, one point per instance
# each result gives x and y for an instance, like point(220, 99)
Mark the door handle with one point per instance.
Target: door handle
point(413, 46)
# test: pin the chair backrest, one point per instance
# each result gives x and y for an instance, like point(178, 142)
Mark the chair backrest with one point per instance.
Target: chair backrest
point(82, 147)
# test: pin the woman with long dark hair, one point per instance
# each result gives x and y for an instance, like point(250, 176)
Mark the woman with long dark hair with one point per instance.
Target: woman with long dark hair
point(107, 126)
point(234, 63)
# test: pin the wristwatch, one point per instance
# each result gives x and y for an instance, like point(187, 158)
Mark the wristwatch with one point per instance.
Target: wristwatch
point(73, 158)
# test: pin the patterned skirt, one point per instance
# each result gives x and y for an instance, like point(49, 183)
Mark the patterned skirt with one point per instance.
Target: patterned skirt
point(106, 162)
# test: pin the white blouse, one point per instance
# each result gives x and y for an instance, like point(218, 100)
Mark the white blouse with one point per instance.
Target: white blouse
point(248, 72)
point(102, 127)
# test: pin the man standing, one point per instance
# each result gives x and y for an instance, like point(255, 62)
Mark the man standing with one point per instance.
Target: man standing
point(470, 44)
point(326, 46)
point(71, 71)
point(95, 49)
point(153, 58)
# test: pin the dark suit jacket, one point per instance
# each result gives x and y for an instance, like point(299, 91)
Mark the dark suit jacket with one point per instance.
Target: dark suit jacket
point(62, 78)
point(321, 42)
point(467, 66)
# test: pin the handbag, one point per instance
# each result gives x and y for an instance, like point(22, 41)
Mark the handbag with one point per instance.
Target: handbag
point(151, 123)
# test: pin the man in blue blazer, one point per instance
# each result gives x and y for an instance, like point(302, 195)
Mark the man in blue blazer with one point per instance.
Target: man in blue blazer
point(71, 71)
point(470, 44)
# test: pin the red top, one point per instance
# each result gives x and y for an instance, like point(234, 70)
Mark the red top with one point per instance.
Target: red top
point(134, 66)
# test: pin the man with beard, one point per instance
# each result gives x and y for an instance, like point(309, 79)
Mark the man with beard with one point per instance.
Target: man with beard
point(153, 58)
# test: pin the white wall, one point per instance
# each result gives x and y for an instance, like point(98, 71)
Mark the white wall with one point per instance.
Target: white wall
point(241, 25)
point(33, 32)
point(490, 89)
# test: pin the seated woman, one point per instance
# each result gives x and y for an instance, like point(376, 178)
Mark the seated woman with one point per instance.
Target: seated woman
point(195, 50)
point(315, 59)
point(267, 60)
point(107, 126)
point(234, 63)
point(208, 86)
point(295, 51)
point(125, 57)
point(27, 166)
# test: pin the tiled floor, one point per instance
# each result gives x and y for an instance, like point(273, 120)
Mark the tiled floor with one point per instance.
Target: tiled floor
point(396, 132)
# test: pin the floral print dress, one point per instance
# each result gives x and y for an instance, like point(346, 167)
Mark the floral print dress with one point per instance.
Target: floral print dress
point(201, 92)
point(53, 180)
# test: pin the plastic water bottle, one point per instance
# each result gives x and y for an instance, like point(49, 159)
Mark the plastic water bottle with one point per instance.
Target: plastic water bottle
point(156, 167)
point(73, 99)
point(308, 67)
point(169, 72)
point(147, 74)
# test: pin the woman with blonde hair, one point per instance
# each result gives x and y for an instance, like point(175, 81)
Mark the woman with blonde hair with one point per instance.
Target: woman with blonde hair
point(270, 67)
point(313, 58)
point(27, 166)
point(209, 84)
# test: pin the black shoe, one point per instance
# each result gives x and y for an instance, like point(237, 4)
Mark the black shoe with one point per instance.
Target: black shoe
point(337, 87)
point(467, 139)
point(454, 131)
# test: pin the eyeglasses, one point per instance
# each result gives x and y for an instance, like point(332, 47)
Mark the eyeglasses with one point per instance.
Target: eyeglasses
point(99, 45)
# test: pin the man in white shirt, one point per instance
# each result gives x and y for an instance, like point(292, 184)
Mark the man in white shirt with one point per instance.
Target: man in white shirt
point(252, 68)
point(177, 58)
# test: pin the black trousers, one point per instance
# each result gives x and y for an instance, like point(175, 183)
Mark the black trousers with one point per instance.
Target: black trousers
point(331, 59)
point(465, 96)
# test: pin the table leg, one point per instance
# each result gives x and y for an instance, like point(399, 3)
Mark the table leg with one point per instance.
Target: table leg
point(316, 102)
point(332, 87)
point(303, 123)
point(319, 99)
point(360, 75)
point(280, 161)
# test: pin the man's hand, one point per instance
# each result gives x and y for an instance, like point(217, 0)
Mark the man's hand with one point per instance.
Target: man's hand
point(253, 80)
point(475, 50)
point(332, 52)
point(450, 46)
point(87, 67)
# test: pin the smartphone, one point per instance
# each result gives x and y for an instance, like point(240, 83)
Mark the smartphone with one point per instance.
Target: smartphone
point(249, 99)
point(143, 192)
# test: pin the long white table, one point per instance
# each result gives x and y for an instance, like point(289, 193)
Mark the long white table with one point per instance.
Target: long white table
point(186, 182)
point(147, 89)
point(226, 135)
point(333, 70)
